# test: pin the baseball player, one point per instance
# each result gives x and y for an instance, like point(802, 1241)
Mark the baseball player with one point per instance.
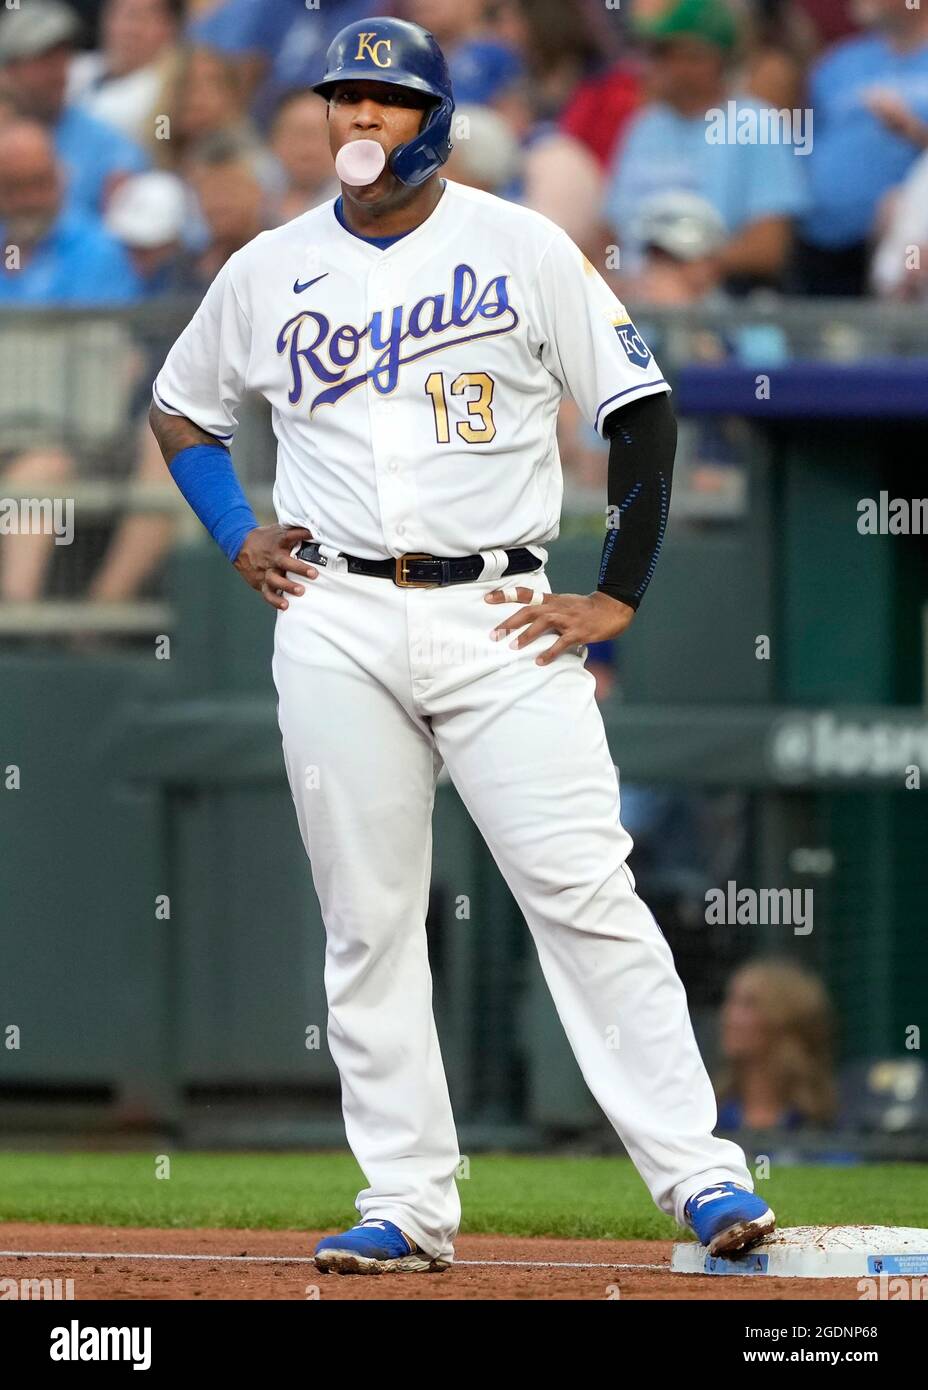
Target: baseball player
point(414, 338)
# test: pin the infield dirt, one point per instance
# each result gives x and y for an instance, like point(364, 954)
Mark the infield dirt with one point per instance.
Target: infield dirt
point(480, 1271)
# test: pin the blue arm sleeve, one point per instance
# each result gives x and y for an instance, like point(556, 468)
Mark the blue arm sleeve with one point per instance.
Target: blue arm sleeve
point(205, 476)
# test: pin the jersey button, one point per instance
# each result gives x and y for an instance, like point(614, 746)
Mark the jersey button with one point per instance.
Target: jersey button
point(401, 530)
point(393, 466)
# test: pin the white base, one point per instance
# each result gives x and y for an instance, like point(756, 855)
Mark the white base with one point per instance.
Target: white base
point(817, 1252)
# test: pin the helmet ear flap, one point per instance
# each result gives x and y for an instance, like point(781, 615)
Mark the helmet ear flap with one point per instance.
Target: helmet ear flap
point(425, 154)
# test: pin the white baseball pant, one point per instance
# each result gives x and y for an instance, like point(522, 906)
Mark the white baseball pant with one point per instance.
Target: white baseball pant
point(377, 686)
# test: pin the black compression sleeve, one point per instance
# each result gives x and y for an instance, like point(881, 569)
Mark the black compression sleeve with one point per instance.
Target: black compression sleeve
point(642, 444)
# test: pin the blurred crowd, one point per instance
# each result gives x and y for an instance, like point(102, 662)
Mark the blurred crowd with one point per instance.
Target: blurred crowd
point(142, 142)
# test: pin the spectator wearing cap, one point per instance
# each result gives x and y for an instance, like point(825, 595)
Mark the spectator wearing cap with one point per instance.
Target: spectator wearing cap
point(124, 82)
point(36, 49)
point(757, 188)
point(51, 254)
point(676, 228)
point(299, 140)
point(148, 214)
point(869, 97)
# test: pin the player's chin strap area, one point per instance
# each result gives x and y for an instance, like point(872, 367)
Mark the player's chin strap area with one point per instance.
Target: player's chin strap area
point(421, 571)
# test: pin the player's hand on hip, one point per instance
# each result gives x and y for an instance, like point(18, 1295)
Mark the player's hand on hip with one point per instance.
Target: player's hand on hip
point(578, 618)
point(265, 559)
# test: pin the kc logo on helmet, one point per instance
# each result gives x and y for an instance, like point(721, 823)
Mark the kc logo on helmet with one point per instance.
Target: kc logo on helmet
point(636, 349)
point(366, 48)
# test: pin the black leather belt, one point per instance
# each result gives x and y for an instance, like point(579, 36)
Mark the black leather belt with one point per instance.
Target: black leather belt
point(418, 571)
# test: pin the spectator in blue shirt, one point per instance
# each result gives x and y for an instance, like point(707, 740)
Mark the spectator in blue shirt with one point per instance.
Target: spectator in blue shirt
point(684, 139)
point(869, 97)
point(50, 255)
point(36, 47)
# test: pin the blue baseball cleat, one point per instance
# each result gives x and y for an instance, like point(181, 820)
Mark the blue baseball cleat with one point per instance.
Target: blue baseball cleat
point(374, 1247)
point(727, 1217)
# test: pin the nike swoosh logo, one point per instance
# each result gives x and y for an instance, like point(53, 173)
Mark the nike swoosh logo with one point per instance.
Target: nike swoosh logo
point(298, 288)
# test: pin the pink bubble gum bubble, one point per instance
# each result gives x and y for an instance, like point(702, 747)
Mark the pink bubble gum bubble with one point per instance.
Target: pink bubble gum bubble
point(360, 163)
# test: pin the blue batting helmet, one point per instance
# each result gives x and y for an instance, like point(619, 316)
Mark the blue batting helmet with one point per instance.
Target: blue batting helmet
point(406, 55)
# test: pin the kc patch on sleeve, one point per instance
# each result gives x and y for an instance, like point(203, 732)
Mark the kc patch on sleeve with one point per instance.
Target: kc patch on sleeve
point(636, 349)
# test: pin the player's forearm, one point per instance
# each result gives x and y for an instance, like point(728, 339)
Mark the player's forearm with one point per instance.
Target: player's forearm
point(175, 433)
point(643, 442)
point(201, 466)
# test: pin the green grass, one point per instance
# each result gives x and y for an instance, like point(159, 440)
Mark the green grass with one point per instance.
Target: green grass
point(570, 1197)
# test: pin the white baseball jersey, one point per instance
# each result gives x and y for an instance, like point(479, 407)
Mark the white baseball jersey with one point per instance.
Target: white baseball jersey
point(414, 390)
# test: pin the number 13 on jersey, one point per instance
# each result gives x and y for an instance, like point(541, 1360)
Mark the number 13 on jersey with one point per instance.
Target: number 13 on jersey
point(478, 409)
